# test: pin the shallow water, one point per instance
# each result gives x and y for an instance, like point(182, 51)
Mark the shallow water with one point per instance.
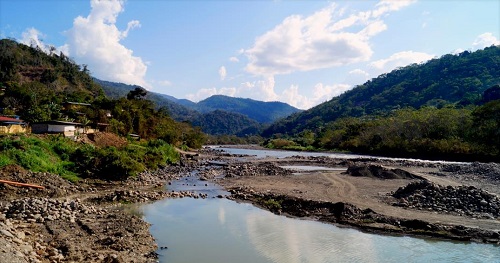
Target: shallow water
point(220, 230)
point(284, 154)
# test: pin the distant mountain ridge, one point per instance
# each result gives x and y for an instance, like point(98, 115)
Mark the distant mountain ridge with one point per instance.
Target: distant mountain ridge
point(262, 112)
point(457, 79)
point(215, 115)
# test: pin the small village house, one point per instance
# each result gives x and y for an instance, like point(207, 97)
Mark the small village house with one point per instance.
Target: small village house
point(68, 129)
point(12, 126)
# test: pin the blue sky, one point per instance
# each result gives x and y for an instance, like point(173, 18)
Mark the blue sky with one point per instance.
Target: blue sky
point(299, 52)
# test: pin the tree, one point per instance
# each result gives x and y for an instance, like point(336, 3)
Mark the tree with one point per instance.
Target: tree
point(137, 94)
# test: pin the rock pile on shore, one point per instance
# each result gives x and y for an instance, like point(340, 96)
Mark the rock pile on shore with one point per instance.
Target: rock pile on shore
point(131, 196)
point(461, 200)
point(380, 172)
point(15, 246)
point(490, 171)
point(261, 169)
point(45, 209)
point(55, 186)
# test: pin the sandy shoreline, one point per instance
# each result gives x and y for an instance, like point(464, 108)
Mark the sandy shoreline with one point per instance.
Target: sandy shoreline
point(87, 221)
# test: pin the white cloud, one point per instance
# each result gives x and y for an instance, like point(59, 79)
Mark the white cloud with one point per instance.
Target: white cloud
point(485, 40)
point(321, 93)
point(205, 93)
point(32, 37)
point(261, 89)
point(322, 40)
point(324, 92)
point(95, 40)
point(222, 73)
point(357, 77)
point(398, 60)
point(234, 59)
point(386, 6)
point(130, 25)
point(292, 97)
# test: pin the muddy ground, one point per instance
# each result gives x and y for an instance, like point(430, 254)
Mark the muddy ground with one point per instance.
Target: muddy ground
point(89, 221)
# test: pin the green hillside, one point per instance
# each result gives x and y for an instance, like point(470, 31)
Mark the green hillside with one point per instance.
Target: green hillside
point(260, 111)
point(175, 107)
point(219, 122)
point(447, 108)
point(451, 79)
point(217, 115)
point(35, 85)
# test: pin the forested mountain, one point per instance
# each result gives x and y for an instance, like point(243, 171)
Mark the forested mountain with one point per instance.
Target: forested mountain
point(262, 112)
point(219, 122)
point(34, 85)
point(182, 109)
point(451, 79)
point(216, 115)
point(176, 108)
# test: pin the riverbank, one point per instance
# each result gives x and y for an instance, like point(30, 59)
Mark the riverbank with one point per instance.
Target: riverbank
point(445, 200)
point(89, 221)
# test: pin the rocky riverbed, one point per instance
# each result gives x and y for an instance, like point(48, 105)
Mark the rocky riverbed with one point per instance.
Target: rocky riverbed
point(91, 221)
point(86, 221)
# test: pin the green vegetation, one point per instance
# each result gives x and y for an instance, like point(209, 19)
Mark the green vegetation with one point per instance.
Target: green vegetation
point(72, 160)
point(272, 205)
point(447, 108)
point(452, 79)
point(221, 122)
point(36, 86)
point(446, 133)
point(217, 115)
point(259, 111)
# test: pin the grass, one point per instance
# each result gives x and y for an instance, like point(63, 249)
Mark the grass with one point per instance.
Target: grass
point(272, 204)
point(70, 160)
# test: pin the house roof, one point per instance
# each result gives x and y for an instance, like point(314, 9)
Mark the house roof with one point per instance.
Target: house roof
point(76, 103)
point(11, 120)
point(59, 123)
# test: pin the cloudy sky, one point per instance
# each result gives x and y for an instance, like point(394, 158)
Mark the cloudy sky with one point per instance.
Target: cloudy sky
point(299, 52)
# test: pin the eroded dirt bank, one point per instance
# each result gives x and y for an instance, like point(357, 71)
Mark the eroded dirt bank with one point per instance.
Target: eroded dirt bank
point(87, 221)
point(84, 222)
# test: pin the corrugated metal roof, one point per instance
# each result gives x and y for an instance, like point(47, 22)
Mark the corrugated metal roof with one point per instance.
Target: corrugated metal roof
point(7, 119)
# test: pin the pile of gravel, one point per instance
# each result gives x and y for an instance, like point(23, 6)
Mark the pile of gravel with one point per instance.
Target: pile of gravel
point(261, 169)
point(380, 172)
point(487, 170)
point(461, 200)
point(46, 209)
point(130, 196)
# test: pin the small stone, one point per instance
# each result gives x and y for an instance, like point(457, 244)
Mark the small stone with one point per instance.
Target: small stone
point(6, 233)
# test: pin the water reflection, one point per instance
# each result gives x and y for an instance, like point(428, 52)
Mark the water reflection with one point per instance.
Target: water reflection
point(220, 230)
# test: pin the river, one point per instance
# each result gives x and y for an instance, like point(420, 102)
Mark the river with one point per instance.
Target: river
point(221, 230)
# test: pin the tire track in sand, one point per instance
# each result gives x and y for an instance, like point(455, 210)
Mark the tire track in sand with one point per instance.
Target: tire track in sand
point(341, 189)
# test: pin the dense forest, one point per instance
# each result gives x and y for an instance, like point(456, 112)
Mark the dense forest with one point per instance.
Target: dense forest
point(447, 108)
point(216, 115)
point(260, 111)
point(451, 79)
point(35, 85)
